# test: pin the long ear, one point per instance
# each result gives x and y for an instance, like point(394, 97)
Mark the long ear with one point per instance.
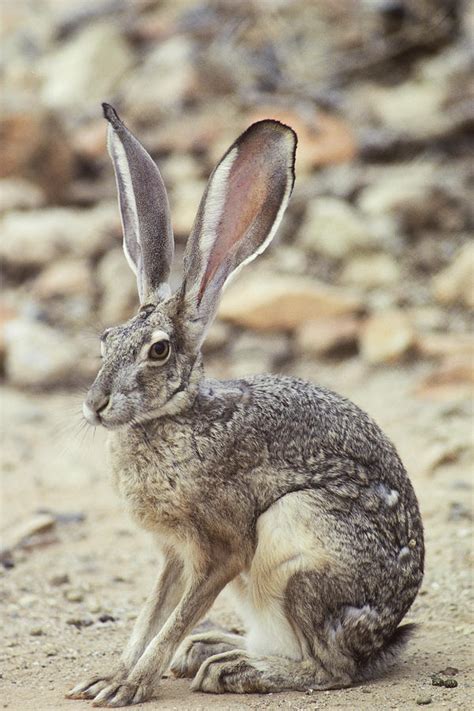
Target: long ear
point(244, 202)
point(147, 233)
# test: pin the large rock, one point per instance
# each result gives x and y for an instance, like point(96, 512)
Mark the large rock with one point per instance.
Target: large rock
point(33, 146)
point(66, 277)
point(396, 187)
point(118, 287)
point(20, 194)
point(86, 69)
point(162, 82)
point(386, 337)
point(38, 356)
point(272, 302)
point(333, 227)
point(34, 239)
point(455, 284)
point(327, 335)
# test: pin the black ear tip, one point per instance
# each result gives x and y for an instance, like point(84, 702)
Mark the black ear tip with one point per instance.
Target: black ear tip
point(111, 115)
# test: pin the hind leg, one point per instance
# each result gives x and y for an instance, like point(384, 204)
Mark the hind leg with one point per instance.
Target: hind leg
point(197, 648)
point(240, 672)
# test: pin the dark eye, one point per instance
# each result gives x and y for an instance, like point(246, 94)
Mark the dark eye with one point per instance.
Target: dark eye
point(159, 350)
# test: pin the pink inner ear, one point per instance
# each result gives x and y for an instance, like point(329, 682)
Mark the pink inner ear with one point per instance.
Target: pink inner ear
point(249, 187)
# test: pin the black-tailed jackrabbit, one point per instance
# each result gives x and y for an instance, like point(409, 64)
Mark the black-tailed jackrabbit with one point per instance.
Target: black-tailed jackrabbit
point(285, 492)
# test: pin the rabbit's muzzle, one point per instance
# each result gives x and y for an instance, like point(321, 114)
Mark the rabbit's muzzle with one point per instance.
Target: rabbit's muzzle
point(95, 403)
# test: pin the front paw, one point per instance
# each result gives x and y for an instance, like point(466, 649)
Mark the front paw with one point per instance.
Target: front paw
point(124, 693)
point(90, 688)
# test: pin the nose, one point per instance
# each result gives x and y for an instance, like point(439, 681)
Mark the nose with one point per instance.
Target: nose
point(92, 407)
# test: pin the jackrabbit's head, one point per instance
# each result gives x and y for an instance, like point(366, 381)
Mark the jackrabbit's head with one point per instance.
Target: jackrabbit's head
point(150, 364)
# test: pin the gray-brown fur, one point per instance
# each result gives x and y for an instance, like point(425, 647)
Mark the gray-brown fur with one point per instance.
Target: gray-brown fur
point(284, 492)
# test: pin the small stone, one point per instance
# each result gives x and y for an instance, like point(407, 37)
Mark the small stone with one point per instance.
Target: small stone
point(437, 680)
point(51, 651)
point(59, 579)
point(94, 606)
point(424, 700)
point(79, 622)
point(37, 632)
point(386, 337)
point(74, 596)
point(107, 618)
point(450, 683)
point(455, 284)
point(266, 301)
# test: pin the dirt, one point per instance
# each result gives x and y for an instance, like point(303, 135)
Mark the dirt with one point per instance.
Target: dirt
point(95, 564)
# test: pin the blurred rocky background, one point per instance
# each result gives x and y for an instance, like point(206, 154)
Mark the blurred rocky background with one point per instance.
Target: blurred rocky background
point(374, 260)
point(368, 289)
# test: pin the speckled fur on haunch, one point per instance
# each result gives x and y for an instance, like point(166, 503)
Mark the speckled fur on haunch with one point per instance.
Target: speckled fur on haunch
point(283, 492)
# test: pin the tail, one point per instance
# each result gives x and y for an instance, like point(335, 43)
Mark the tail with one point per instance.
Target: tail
point(378, 663)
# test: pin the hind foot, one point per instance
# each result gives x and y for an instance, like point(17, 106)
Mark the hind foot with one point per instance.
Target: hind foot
point(194, 651)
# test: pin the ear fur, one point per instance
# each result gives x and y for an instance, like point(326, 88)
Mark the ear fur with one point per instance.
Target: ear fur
point(239, 214)
point(148, 237)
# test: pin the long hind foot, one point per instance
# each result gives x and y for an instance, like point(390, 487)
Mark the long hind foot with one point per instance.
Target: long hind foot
point(239, 672)
point(194, 651)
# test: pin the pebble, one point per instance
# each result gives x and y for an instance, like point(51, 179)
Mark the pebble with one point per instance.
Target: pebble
point(37, 632)
point(59, 579)
point(424, 700)
point(455, 284)
point(74, 595)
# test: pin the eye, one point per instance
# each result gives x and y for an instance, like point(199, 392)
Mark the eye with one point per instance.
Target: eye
point(160, 351)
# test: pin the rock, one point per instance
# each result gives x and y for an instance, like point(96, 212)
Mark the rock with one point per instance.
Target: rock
point(455, 284)
point(396, 187)
point(162, 82)
point(89, 140)
point(20, 194)
point(386, 337)
point(441, 345)
point(36, 238)
point(7, 313)
point(74, 596)
point(272, 302)
point(179, 168)
point(39, 356)
point(184, 200)
point(34, 147)
point(453, 380)
point(258, 353)
point(441, 453)
point(118, 286)
point(59, 579)
point(327, 335)
point(333, 227)
point(17, 535)
point(371, 271)
point(67, 277)
point(414, 107)
point(424, 700)
point(37, 632)
point(86, 69)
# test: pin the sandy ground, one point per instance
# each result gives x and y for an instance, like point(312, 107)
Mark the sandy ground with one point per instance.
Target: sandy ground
point(55, 595)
